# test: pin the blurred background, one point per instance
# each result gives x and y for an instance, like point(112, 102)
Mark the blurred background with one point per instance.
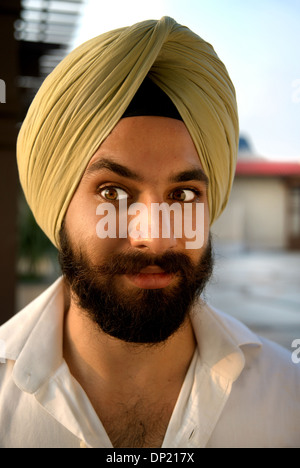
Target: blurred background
point(257, 239)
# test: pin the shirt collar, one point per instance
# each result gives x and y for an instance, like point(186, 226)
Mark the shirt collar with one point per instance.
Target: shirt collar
point(221, 339)
point(33, 338)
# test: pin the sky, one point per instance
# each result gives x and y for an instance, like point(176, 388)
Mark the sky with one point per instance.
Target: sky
point(258, 41)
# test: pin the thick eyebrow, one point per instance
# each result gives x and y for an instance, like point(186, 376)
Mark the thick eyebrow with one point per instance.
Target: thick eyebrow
point(190, 174)
point(123, 171)
point(112, 166)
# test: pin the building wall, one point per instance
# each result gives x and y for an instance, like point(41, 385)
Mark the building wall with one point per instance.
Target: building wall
point(255, 216)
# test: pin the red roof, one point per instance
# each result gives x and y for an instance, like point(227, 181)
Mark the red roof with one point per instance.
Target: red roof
point(268, 168)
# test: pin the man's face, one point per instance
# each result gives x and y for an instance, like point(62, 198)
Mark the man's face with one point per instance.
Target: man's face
point(137, 289)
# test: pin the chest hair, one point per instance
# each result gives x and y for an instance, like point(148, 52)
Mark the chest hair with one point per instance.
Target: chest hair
point(138, 425)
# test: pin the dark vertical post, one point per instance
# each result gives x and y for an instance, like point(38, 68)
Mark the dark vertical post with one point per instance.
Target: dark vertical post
point(9, 111)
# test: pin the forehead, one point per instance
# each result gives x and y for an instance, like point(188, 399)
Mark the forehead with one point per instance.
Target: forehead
point(149, 145)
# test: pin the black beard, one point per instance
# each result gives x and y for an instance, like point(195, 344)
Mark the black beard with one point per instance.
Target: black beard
point(137, 316)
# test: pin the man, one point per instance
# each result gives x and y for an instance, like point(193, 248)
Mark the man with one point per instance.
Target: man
point(122, 351)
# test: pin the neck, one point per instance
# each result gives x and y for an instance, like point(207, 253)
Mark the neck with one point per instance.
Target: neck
point(95, 358)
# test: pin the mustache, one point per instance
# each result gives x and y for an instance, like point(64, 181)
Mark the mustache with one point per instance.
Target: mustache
point(132, 263)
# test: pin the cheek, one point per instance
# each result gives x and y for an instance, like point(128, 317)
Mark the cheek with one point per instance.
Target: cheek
point(99, 249)
point(80, 220)
point(199, 227)
point(196, 223)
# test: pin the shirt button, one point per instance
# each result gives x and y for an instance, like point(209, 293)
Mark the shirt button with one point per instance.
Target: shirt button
point(83, 444)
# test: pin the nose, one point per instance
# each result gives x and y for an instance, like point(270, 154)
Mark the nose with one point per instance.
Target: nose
point(151, 228)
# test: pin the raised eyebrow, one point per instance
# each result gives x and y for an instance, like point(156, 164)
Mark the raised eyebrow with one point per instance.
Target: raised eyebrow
point(190, 174)
point(123, 171)
point(112, 166)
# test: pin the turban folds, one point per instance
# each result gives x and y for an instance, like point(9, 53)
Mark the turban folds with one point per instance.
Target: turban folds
point(82, 100)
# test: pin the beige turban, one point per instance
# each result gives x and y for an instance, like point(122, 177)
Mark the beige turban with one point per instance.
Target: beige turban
point(83, 99)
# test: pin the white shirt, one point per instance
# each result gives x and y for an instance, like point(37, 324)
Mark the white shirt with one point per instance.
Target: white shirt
point(240, 390)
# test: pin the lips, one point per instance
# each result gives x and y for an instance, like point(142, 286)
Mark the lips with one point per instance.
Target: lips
point(151, 277)
point(152, 270)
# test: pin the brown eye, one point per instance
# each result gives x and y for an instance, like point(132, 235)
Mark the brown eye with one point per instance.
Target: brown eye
point(183, 195)
point(113, 193)
point(110, 194)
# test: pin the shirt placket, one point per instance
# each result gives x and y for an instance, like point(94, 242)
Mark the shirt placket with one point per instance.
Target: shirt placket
point(198, 409)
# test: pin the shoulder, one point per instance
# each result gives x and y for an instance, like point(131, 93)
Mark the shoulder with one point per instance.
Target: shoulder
point(276, 377)
point(263, 409)
point(259, 351)
point(16, 331)
point(267, 363)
